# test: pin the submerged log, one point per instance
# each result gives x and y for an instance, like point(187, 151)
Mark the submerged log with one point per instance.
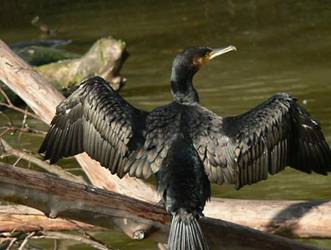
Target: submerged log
point(46, 43)
point(104, 58)
point(57, 197)
point(38, 55)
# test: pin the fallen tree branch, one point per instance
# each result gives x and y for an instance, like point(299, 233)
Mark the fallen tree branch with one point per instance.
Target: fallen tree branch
point(104, 58)
point(61, 198)
point(26, 219)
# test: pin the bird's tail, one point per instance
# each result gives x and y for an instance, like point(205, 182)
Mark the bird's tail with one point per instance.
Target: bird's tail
point(185, 232)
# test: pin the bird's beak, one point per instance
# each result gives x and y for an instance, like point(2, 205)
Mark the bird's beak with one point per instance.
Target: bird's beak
point(217, 52)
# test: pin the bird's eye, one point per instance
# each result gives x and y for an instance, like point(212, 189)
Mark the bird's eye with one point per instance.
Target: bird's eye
point(200, 60)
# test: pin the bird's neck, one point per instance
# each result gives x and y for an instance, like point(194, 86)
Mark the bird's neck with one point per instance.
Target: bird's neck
point(184, 92)
point(182, 89)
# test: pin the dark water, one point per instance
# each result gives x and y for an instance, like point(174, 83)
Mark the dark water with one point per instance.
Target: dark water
point(283, 46)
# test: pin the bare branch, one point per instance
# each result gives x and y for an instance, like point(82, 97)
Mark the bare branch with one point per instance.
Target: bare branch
point(12, 241)
point(3, 93)
point(13, 107)
point(10, 105)
point(26, 129)
point(25, 241)
point(55, 169)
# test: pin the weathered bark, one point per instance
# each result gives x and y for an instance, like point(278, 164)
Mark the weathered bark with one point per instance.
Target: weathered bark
point(104, 58)
point(298, 219)
point(57, 197)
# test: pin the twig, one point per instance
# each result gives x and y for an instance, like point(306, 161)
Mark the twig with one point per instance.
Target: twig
point(17, 160)
point(5, 131)
point(25, 241)
point(13, 107)
point(55, 245)
point(24, 125)
point(9, 104)
point(89, 236)
point(79, 238)
point(12, 241)
point(23, 130)
point(6, 96)
point(55, 169)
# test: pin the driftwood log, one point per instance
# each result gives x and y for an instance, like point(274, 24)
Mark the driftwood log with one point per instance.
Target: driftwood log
point(57, 197)
point(104, 58)
point(42, 97)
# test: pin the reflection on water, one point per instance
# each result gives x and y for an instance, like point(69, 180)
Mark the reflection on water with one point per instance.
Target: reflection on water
point(282, 47)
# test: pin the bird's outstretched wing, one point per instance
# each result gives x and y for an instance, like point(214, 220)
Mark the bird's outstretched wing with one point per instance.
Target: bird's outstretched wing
point(244, 149)
point(97, 120)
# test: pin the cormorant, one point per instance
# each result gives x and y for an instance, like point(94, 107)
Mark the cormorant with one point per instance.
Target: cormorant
point(184, 144)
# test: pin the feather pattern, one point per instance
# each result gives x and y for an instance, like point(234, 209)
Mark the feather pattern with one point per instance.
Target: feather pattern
point(244, 149)
point(95, 119)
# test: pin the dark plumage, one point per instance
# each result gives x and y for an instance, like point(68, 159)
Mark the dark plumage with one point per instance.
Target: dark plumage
point(184, 144)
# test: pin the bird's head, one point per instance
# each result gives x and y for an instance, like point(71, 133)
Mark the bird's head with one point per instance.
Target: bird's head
point(188, 62)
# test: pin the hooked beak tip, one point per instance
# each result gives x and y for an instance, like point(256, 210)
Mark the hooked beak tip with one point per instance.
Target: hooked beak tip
point(217, 52)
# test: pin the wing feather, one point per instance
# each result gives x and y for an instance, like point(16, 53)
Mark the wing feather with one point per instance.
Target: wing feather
point(244, 149)
point(97, 120)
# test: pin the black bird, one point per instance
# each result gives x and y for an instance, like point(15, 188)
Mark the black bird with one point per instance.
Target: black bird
point(185, 145)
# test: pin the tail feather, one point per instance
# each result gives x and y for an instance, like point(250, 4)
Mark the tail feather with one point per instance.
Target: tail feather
point(185, 233)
